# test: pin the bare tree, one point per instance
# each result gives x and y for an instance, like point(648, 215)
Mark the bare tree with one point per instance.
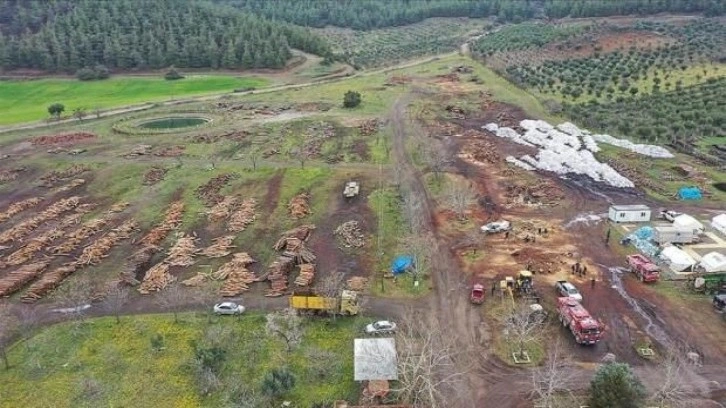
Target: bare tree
point(552, 379)
point(287, 325)
point(422, 248)
point(8, 330)
point(521, 327)
point(171, 300)
point(301, 149)
point(458, 197)
point(413, 211)
point(671, 391)
point(76, 296)
point(80, 113)
point(28, 320)
point(115, 300)
point(435, 157)
point(254, 156)
point(97, 112)
point(331, 286)
point(431, 365)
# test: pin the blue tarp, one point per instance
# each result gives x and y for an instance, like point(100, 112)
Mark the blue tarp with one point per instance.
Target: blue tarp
point(401, 264)
point(689, 193)
point(642, 239)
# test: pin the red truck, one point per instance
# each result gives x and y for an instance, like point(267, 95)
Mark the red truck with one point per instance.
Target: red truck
point(585, 328)
point(643, 268)
point(477, 294)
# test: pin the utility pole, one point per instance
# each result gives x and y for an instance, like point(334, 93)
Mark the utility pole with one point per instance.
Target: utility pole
point(379, 239)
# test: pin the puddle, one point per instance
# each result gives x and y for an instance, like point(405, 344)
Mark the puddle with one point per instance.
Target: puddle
point(586, 219)
point(651, 328)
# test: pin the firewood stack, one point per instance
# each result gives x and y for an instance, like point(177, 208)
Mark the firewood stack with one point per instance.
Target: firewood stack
point(99, 249)
point(83, 232)
point(172, 220)
point(277, 275)
point(243, 216)
point(183, 251)
point(19, 207)
point(51, 213)
point(299, 207)
point(239, 260)
point(118, 207)
point(18, 278)
point(306, 275)
point(219, 248)
point(48, 282)
point(237, 277)
point(222, 209)
point(196, 280)
point(357, 283)
point(351, 235)
point(156, 279)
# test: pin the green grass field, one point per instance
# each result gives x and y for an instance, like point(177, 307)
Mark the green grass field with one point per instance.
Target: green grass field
point(25, 101)
point(102, 363)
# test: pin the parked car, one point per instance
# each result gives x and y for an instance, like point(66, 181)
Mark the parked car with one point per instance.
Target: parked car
point(669, 215)
point(498, 226)
point(719, 302)
point(566, 289)
point(381, 327)
point(228, 308)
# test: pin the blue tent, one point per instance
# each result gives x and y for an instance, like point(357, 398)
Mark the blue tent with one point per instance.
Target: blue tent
point(401, 264)
point(689, 193)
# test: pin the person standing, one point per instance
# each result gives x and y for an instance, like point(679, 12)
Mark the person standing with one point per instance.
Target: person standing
point(592, 283)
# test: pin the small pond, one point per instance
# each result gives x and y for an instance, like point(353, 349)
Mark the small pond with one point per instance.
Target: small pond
point(173, 123)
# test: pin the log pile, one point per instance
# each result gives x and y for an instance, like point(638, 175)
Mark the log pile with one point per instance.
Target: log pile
point(298, 206)
point(222, 209)
point(369, 127)
point(56, 175)
point(277, 275)
point(82, 233)
point(296, 249)
point(306, 275)
point(302, 233)
point(243, 216)
point(172, 220)
point(99, 249)
point(10, 175)
point(118, 207)
point(66, 138)
point(18, 278)
point(183, 251)
point(170, 151)
point(357, 283)
point(240, 260)
point(156, 279)
point(480, 151)
point(139, 150)
point(48, 282)
point(209, 192)
point(235, 274)
point(71, 185)
point(154, 175)
point(543, 192)
point(19, 207)
point(351, 235)
point(220, 247)
point(25, 253)
point(196, 280)
point(26, 227)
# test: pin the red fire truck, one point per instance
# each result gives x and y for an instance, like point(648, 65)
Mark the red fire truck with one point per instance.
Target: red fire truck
point(643, 268)
point(585, 328)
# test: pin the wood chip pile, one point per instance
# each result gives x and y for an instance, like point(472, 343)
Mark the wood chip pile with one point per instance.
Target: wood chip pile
point(19, 207)
point(26, 227)
point(183, 251)
point(357, 283)
point(209, 192)
point(222, 209)
point(13, 281)
point(243, 216)
point(299, 207)
point(306, 275)
point(154, 175)
point(156, 279)
point(48, 282)
point(172, 220)
point(55, 176)
point(351, 235)
point(99, 249)
point(220, 247)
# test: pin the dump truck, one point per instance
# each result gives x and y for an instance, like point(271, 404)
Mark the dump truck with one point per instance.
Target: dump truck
point(573, 316)
point(346, 304)
point(351, 189)
point(643, 268)
point(673, 235)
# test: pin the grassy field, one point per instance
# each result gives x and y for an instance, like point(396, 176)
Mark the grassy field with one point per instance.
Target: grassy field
point(101, 363)
point(24, 101)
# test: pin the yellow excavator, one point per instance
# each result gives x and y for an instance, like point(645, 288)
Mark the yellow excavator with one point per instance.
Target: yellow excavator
point(521, 285)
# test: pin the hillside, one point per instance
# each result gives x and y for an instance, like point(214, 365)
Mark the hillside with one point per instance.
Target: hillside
point(125, 34)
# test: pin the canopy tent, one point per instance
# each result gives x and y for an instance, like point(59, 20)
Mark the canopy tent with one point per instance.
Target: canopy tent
point(375, 359)
point(678, 260)
point(401, 264)
point(714, 262)
point(685, 222)
point(690, 193)
point(719, 223)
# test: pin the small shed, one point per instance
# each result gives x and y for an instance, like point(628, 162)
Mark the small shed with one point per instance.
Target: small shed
point(375, 359)
point(719, 223)
point(690, 193)
point(629, 213)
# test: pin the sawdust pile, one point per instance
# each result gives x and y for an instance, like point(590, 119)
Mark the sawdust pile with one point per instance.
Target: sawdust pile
point(298, 206)
point(24, 228)
point(18, 207)
point(350, 234)
point(243, 216)
point(222, 209)
point(220, 247)
point(13, 281)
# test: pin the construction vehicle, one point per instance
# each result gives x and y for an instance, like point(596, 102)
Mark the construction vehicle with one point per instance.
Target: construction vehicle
point(709, 283)
point(351, 189)
point(643, 268)
point(346, 304)
point(572, 315)
point(477, 294)
point(521, 286)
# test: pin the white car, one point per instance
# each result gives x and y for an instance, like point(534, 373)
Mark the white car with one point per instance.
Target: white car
point(669, 215)
point(381, 327)
point(566, 289)
point(228, 308)
point(498, 226)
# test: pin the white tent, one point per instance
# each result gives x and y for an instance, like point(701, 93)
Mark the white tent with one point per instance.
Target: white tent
point(375, 359)
point(677, 259)
point(685, 222)
point(714, 262)
point(719, 223)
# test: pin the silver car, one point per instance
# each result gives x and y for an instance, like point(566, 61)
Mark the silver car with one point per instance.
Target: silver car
point(228, 308)
point(381, 327)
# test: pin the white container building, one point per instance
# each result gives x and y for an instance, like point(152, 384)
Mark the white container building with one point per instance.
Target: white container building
point(629, 213)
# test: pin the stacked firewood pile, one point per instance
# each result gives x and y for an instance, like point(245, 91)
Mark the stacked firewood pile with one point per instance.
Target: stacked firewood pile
point(243, 216)
point(47, 282)
point(357, 283)
point(18, 278)
point(19, 207)
point(306, 275)
point(480, 151)
point(86, 230)
point(26, 252)
point(351, 234)
point(299, 207)
point(183, 251)
point(292, 243)
point(55, 176)
point(99, 249)
point(196, 280)
point(26, 227)
point(222, 209)
point(219, 248)
point(277, 275)
point(156, 279)
point(154, 175)
point(237, 277)
point(209, 192)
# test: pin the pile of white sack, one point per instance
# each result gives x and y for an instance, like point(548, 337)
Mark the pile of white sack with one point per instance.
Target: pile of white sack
point(568, 149)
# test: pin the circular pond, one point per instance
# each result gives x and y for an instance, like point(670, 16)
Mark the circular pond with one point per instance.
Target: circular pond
point(173, 123)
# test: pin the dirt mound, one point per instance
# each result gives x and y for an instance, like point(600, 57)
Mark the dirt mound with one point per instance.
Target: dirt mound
point(299, 207)
point(63, 138)
point(209, 192)
point(154, 175)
